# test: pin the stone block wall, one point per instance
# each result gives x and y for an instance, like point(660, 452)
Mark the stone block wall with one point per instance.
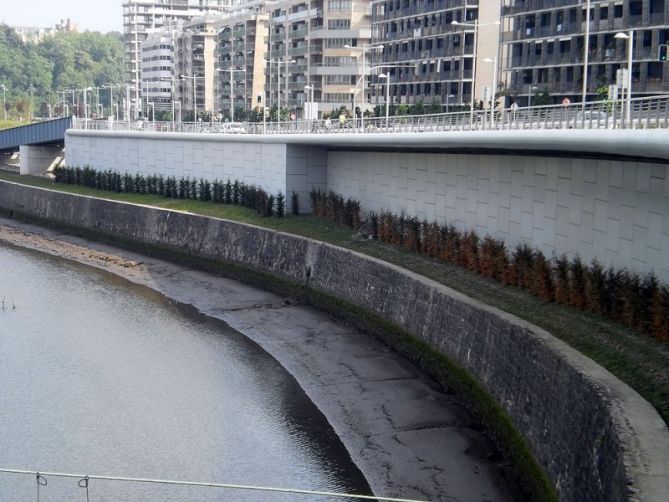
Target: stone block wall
point(596, 438)
point(614, 211)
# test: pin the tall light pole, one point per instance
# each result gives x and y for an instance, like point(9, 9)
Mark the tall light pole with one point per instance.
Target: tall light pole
point(194, 77)
point(494, 89)
point(529, 96)
point(4, 100)
point(232, 87)
point(285, 96)
point(448, 96)
point(310, 88)
point(476, 25)
point(586, 50)
point(86, 89)
point(387, 77)
point(365, 47)
point(629, 36)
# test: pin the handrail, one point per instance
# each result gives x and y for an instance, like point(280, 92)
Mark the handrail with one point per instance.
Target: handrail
point(646, 113)
point(84, 480)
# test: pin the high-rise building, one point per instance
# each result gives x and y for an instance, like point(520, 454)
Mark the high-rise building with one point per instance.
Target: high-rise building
point(544, 46)
point(194, 65)
point(157, 68)
point(314, 43)
point(432, 50)
point(241, 52)
point(142, 16)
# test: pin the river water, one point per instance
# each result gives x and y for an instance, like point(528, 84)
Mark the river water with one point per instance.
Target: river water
point(101, 377)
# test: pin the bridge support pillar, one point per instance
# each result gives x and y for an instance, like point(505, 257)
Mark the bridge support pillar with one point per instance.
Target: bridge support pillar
point(39, 159)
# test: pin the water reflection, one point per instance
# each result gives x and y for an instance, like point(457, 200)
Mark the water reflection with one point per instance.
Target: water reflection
point(104, 378)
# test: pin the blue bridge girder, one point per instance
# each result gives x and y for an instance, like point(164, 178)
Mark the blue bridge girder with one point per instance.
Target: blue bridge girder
point(48, 132)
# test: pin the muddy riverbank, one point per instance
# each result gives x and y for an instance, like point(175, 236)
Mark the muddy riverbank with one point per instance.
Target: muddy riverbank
point(408, 437)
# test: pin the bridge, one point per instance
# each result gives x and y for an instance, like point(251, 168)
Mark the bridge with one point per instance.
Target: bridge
point(41, 144)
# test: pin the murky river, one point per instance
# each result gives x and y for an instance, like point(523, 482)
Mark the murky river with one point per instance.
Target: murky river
point(101, 377)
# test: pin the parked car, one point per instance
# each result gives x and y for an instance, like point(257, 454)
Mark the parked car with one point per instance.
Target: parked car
point(232, 128)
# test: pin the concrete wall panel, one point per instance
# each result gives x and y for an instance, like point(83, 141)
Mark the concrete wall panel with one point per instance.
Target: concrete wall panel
point(616, 212)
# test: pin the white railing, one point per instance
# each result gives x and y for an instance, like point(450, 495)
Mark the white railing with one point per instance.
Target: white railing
point(84, 481)
point(646, 113)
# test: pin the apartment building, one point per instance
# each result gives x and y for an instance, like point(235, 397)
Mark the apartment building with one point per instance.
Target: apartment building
point(194, 65)
point(241, 48)
point(544, 46)
point(140, 17)
point(157, 68)
point(315, 44)
point(432, 50)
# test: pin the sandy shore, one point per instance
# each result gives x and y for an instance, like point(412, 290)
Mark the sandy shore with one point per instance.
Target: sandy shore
point(409, 439)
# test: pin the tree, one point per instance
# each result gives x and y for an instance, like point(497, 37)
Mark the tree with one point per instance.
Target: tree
point(542, 98)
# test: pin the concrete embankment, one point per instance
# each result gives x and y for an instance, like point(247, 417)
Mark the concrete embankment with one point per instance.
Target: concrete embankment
point(595, 437)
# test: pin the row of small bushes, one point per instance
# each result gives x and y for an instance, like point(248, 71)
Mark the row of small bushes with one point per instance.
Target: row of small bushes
point(640, 302)
point(227, 192)
point(335, 208)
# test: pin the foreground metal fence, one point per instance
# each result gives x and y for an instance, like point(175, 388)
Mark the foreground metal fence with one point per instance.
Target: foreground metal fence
point(646, 113)
point(84, 482)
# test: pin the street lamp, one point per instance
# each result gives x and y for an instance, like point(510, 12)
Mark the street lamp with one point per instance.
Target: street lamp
point(387, 77)
point(533, 88)
point(586, 49)
point(232, 86)
point(494, 89)
point(629, 37)
point(448, 96)
point(476, 25)
point(86, 89)
point(194, 77)
point(4, 100)
point(310, 88)
point(364, 48)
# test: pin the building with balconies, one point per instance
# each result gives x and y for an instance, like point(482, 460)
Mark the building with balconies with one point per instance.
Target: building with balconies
point(240, 56)
point(195, 66)
point(314, 44)
point(142, 17)
point(543, 46)
point(432, 50)
point(157, 69)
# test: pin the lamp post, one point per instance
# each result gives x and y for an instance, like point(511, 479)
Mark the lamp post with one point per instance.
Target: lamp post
point(4, 100)
point(363, 102)
point(310, 88)
point(86, 89)
point(629, 37)
point(448, 96)
point(285, 96)
point(494, 89)
point(232, 87)
point(529, 96)
point(387, 77)
point(586, 50)
point(476, 25)
point(194, 77)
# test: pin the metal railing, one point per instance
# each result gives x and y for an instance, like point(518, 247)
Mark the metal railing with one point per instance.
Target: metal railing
point(646, 113)
point(84, 481)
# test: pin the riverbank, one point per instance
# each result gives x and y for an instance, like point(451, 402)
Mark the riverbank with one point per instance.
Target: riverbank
point(408, 438)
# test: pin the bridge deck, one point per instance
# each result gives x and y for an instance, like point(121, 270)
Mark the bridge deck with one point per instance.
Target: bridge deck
point(40, 133)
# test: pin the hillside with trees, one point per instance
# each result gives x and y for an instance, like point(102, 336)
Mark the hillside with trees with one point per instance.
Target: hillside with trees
point(32, 73)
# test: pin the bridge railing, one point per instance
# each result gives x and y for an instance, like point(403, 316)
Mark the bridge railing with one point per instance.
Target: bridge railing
point(645, 113)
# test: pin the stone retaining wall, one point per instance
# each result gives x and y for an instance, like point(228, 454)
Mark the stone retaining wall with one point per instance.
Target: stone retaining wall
point(596, 438)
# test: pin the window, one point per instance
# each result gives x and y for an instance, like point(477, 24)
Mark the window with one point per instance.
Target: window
point(339, 24)
point(339, 5)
